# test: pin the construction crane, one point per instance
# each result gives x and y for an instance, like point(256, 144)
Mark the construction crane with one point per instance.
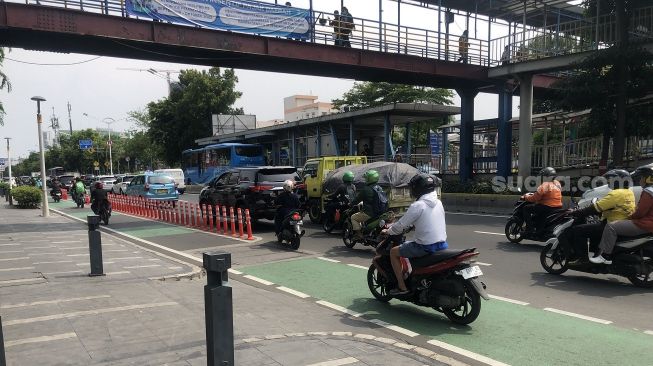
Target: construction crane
point(157, 73)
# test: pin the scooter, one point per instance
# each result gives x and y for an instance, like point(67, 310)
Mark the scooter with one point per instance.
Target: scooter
point(371, 229)
point(632, 256)
point(56, 194)
point(292, 229)
point(80, 199)
point(336, 215)
point(446, 281)
point(516, 229)
point(104, 211)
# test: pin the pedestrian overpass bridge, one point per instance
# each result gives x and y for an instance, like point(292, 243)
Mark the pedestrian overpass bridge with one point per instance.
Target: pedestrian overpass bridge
point(542, 36)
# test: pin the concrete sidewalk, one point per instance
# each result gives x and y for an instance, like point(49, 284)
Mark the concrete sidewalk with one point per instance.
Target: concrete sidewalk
point(54, 314)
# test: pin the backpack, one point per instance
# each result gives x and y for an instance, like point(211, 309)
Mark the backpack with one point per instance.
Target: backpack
point(380, 202)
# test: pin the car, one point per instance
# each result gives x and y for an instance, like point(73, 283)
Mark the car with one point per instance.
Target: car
point(177, 175)
point(121, 183)
point(88, 179)
point(66, 181)
point(154, 187)
point(107, 182)
point(250, 188)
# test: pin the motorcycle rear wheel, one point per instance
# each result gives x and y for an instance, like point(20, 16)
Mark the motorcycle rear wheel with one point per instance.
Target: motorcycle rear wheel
point(348, 235)
point(378, 284)
point(294, 243)
point(514, 231)
point(469, 310)
point(328, 224)
point(554, 261)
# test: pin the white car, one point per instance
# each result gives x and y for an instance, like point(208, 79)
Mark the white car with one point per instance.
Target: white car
point(107, 182)
point(177, 175)
point(120, 184)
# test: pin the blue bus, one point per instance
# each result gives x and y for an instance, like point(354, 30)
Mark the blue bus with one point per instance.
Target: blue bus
point(201, 165)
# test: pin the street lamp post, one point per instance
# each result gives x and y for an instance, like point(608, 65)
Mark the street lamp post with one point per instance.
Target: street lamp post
point(9, 162)
point(39, 121)
point(109, 121)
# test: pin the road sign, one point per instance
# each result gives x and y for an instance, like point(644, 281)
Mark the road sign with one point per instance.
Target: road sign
point(85, 144)
point(96, 163)
point(3, 162)
point(435, 142)
point(106, 163)
point(97, 168)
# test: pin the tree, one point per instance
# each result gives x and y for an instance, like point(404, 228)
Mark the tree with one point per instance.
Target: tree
point(185, 115)
point(373, 94)
point(4, 83)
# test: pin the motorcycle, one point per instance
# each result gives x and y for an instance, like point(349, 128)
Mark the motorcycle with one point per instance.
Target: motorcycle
point(336, 214)
point(516, 229)
point(292, 229)
point(56, 194)
point(80, 199)
point(445, 281)
point(371, 229)
point(632, 256)
point(104, 211)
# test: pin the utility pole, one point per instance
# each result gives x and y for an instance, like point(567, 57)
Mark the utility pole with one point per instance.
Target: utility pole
point(54, 123)
point(9, 162)
point(70, 122)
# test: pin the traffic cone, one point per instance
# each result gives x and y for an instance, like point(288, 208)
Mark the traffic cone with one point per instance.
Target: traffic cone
point(233, 221)
point(224, 220)
point(248, 220)
point(240, 223)
point(64, 194)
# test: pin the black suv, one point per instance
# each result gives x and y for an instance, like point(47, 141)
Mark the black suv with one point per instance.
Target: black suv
point(249, 188)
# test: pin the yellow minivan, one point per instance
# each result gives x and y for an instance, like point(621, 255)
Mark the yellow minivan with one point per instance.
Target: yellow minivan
point(315, 171)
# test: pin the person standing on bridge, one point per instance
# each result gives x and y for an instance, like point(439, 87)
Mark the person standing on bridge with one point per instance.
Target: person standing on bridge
point(346, 26)
point(337, 28)
point(463, 47)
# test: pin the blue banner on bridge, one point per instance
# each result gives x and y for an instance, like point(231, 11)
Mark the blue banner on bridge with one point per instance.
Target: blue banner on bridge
point(234, 15)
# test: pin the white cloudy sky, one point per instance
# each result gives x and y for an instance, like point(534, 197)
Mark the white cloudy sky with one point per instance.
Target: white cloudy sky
point(101, 90)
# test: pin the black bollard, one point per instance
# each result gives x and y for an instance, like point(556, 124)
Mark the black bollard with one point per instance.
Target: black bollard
point(3, 361)
point(218, 310)
point(95, 245)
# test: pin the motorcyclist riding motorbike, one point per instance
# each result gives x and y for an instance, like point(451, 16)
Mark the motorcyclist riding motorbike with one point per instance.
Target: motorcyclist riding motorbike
point(366, 195)
point(426, 214)
point(285, 202)
point(546, 200)
point(346, 192)
point(639, 223)
point(78, 188)
point(98, 198)
point(618, 204)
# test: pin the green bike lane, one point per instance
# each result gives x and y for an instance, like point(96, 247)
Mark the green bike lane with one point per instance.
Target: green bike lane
point(506, 332)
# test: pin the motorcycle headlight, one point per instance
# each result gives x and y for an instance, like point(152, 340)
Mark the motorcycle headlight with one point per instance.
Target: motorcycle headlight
point(381, 223)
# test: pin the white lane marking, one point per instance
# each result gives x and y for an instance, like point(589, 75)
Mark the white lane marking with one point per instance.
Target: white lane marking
point(175, 268)
point(233, 271)
point(77, 255)
point(154, 259)
point(488, 233)
point(44, 302)
point(52, 262)
point(48, 247)
point(66, 242)
point(22, 280)
point(15, 269)
point(9, 245)
point(357, 266)
point(116, 273)
point(34, 254)
point(328, 259)
point(397, 329)
point(508, 300)
point(580, 316)
point(474, 214)
point(466, 353)
point(147, 266)
point(55, 337)
point(125, 258)
point(13, 259)
point(116, 250)
point(483, 264)
point(71, 248)
point(259, 280)
point(339, 308)
point(64, 272)
point(649, 332)
point(293, 292)
point(11, 251)
point(338, 362)
point(88, 312)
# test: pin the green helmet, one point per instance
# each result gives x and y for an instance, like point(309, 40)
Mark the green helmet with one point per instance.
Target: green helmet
point(371, 176)
point(348, 177)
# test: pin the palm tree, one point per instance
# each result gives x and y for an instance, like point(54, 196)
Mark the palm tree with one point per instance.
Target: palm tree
point(4, 82)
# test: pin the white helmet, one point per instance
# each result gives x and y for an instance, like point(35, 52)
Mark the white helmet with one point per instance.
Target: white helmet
point(288, 185)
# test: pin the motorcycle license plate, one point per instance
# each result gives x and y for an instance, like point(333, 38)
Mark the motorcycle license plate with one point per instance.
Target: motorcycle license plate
point(300, 222)
point(470, 272)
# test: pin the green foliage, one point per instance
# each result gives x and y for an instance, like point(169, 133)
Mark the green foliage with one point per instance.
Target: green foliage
point(4, 83)
point(178, 120)
point(4, 186)
point(371, 94)
point(27, 196)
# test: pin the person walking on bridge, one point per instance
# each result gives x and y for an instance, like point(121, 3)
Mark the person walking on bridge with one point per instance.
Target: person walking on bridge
point(463, 47)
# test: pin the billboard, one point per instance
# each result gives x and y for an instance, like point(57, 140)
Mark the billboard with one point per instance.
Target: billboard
point(234, 15)
point(224, 124)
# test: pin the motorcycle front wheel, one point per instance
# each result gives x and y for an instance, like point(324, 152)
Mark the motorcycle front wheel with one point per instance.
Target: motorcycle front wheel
point(514, 231)
point(554, 261)
point(348, 235)
point(378, 284)
point(469, 310)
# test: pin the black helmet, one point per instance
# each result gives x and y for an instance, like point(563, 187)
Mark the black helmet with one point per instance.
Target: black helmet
point(645, 172)
point(548, 172)
point(421, 184)
point(617, 178)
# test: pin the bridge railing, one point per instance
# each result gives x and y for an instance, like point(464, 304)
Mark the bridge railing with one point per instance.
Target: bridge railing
point(368, 34)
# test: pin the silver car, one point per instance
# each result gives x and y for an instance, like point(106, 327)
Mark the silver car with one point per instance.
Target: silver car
point(120, 184)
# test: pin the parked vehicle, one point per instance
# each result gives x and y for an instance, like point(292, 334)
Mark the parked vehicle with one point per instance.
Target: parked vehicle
point(632, 257)
point(315, 172)
point(177, 175)
point(516, 230)
point(154, 187)
point(446, 281)
point(120, 184)
point(202, 165)
point(249, 188)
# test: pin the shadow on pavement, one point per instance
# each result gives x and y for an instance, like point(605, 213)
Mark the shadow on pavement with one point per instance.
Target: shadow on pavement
point(587, 284)
point(520, 247)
